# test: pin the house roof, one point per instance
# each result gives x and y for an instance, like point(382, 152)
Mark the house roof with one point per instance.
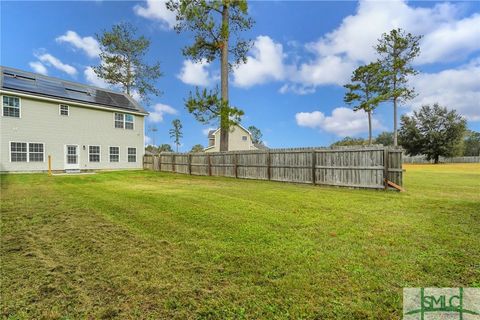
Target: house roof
point(211, 133)
point(44, 86)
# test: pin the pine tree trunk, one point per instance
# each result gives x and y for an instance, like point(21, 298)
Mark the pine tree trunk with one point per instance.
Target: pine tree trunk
point(224, 81)
point(369, 127)
point(395, 133)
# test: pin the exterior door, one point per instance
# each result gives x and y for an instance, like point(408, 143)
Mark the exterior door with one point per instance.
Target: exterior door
point(72, 161)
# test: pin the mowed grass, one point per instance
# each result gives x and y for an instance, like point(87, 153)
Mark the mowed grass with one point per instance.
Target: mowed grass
point(169, 246)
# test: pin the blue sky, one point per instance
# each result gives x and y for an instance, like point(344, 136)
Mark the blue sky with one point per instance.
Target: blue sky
point(291, 87)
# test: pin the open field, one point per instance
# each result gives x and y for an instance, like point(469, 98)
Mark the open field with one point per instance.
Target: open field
point(154, 245)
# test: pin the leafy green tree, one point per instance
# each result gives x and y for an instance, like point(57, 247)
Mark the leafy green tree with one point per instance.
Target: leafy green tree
point(256, 135)
point(471, 143)
point(197, 148)
point(385, 138)
point(216, 25)
point(176, 132)
point(397, 50)
point(122, 61)
point(165, 148)
point(365, 91)
point(432, 131)
point(349, 141)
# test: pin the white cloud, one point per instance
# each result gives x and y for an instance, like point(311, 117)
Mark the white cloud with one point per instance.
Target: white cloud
point(159, 111)
point(50, 60)
point(93, 79)
point(195, 73)
point(451, 41)
point(342, 122)
point(457, 89)
point(265, 63)
point(88, 44)
point(358, 33)
point(38, 67)
point(156, 10)
point(448, 37)
point(325, 70)
point(297, 89)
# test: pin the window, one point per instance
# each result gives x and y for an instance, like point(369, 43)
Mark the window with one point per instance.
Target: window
point(132, 155)
point(64, 110)
point(244, 138)
point(72, 156)
point(124, 121)
point(119, 120)
point(114, 154)
point(18, 152)
point(35, 152)
point(94, 153)
point(11, 107)
point(129, 121)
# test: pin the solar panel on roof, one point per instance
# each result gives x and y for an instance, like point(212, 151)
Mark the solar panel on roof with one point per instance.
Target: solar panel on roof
point(26, 82)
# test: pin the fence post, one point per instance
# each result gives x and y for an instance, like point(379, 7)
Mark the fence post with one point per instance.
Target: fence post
point(173, 163)
point(189, 161)
point(159, 162)
point(235, 164)
point(209, 165)
point(269, 175)
point(385, 167)
point(314, 164)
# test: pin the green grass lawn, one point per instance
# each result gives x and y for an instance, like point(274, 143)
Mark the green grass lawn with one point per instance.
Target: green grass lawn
point(154, 245)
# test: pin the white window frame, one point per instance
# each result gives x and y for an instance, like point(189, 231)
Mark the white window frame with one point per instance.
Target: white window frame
point(115, 120)
point(60, 110)
point(10, 149)
point(110, 154)
point(19, 106)
point(99, 153)
point(128, 160)
point(124, 120)
point(27, 152)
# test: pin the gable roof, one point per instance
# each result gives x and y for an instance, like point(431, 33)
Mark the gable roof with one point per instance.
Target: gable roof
point(211, 133)
point(39, 85)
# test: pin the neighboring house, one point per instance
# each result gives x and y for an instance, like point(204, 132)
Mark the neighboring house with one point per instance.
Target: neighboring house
point(239, 138)
point(80, 127)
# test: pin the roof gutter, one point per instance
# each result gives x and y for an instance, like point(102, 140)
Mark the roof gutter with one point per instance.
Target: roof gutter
point(70, 102)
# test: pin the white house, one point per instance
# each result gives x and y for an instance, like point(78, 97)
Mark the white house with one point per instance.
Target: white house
point(239, 139)
point(80, 127)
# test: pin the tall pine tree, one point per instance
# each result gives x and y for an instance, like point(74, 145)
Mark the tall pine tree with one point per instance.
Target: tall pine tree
point(216, 25)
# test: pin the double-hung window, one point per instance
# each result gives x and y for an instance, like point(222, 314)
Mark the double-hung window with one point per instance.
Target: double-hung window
point(64, 110)
point(11, 106)
point(124, 121)
point(114, 154)
point(129, 121)
point(132, 154)
point(18, 151)
point(119, 118)
point(94, 153)
point(35, 152)
point(27, 152)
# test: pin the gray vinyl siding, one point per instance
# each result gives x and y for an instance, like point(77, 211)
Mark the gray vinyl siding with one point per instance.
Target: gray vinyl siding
point(41, 122)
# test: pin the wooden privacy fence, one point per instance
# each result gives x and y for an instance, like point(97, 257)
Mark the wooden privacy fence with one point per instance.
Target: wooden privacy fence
point(422, 159)
point(365, 167)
